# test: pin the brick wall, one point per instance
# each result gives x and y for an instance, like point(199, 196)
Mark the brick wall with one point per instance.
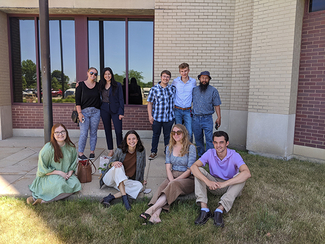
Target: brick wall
point(273, 45)
point(241, 54)
point(310, 115)
point(197, 32)
point(31, 116)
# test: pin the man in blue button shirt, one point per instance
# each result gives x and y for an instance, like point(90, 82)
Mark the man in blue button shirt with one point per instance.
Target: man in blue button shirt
point(161, 111)
point(183, 97)
point(206, 100)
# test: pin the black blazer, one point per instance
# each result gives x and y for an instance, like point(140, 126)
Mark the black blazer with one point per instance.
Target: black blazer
point(116, 101)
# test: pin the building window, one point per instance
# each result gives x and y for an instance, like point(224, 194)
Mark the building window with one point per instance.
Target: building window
point(316, 5)
point(126, 46)
point(25, 49)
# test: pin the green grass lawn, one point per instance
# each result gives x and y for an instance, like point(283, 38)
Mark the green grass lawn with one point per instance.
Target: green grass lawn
point(283, 202)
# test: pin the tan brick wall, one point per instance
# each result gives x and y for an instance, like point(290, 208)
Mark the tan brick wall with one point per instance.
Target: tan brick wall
point(241, 54)
point(199, 33)
point(272, 71)
point(4, 62)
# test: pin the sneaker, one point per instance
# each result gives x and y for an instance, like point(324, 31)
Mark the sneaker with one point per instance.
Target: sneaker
point(82, 157)
point(92, 156)
point(153, 156)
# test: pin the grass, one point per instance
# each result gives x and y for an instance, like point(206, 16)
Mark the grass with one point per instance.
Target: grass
point(283, 202)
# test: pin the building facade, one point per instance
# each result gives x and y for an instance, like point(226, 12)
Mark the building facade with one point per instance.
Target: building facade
point(266, 58)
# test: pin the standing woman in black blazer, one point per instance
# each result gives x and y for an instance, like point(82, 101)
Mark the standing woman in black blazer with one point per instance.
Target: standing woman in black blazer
point(112, 107)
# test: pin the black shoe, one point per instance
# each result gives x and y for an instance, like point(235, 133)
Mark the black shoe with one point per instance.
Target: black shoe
point(82, 157)
point(126, 202)
point(106, 201)
point(92, 156)
point(203, 218)
point(217, 219)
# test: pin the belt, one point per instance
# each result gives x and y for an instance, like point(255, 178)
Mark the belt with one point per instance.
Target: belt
point(182, 108)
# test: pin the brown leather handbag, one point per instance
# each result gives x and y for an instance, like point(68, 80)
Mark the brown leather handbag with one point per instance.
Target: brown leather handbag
point(85, 170)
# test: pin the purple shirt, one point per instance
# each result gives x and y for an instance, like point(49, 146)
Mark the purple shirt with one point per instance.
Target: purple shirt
point(224, 169)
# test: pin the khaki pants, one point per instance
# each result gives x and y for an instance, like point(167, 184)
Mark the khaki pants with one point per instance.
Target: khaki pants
point(229, 193)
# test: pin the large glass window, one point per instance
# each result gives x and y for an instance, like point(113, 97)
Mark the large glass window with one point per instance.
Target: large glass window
point(25, 59)
point(23, 56)
point(316, 5)
point(140, 60)
point(111, 46)
point(63, 59)
point(125, 45)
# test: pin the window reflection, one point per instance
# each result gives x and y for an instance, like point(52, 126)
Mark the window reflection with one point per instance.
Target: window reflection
point(63, 63)
point(316, 5)
point(93, 44)
point(23, 57)
point(140, 60)
point(107, 41)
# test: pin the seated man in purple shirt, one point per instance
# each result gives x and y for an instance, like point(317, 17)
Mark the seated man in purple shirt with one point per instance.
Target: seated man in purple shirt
point(228, 174)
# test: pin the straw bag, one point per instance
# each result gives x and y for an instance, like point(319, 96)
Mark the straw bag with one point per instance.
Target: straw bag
point(85, 170)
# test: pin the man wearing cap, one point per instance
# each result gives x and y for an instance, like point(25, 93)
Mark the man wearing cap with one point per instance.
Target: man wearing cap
point(206, 100)
point(183, 97)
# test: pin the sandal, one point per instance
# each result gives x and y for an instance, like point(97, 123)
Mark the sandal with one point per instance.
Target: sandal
point(146, 218)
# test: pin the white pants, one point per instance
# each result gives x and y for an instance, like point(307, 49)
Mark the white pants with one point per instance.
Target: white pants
point(115, 176)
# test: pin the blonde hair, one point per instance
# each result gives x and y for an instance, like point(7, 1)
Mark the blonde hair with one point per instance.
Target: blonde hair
point(185, 140)
point(92, 68)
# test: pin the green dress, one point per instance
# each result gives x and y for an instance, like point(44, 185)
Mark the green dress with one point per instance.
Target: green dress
point(48, 187)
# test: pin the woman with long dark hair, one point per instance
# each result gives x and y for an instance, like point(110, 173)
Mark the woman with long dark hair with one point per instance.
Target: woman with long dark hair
point(125, 171)
point(57, 162)
point(88, 107)
point(180, 155)
point(112, 107)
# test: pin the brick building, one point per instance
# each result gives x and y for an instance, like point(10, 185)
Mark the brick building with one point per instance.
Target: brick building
point(266, 58)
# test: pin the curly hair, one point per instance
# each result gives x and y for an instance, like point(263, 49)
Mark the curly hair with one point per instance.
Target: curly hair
point(124, 146)
point(185, 140)
point(57, 149)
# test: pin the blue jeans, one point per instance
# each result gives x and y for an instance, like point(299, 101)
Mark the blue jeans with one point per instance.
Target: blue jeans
point(185, 115)
point(107, 116)
point(92, 117)
point(156, 129)
point(200, 124)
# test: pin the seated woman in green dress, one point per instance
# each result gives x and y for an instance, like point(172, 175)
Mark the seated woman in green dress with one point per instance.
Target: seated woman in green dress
point(57, 162)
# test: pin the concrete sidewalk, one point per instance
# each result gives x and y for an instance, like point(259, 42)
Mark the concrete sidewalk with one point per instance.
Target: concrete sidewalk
point(19, 158)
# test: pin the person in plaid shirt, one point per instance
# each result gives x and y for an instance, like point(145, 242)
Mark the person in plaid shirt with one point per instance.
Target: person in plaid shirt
point(161, 111)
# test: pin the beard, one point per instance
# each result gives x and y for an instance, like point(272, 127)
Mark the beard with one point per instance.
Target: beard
point(204, 87)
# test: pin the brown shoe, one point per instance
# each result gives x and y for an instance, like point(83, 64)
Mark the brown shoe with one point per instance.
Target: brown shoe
point(153, 156)
point(38, 201)
point(30, 200)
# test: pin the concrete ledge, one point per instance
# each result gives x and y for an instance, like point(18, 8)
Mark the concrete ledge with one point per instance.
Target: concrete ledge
point(309, 153)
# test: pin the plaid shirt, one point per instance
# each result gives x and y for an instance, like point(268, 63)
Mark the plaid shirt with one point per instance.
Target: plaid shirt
point(163, 102)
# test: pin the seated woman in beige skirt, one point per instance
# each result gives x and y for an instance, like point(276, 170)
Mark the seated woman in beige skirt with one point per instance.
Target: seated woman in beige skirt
point(125, 170)
point(180, 155)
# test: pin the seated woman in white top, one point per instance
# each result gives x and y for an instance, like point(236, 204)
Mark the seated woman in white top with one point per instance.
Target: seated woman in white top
point(125, 171)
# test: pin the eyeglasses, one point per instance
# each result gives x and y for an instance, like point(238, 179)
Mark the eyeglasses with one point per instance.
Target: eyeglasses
point(179, 132)
point(60, 132)
point(92, 73)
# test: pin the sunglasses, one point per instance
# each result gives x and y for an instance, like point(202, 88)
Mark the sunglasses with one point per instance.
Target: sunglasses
point(92, 73)
point(179, 132)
